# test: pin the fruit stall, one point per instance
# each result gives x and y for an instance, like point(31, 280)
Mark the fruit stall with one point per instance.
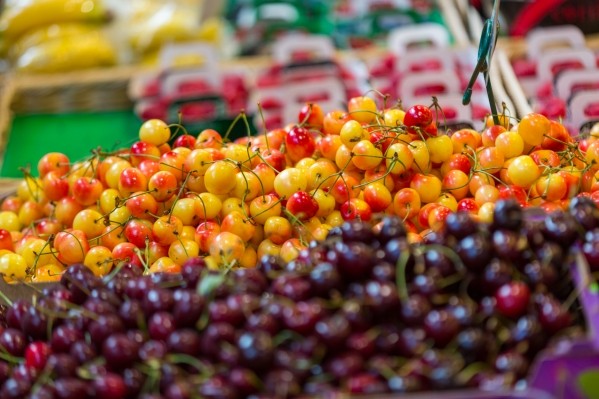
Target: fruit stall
point(297, 199)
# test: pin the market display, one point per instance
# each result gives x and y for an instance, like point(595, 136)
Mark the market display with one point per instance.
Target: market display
point(157, 205)
point(560, 82)
point(364, 311)
point(311, 223)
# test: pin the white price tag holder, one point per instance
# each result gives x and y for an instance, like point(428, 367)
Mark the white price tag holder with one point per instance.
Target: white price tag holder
point(577, 108)
point(329, 91)
point(414, 57)
point(173, 81)
point(447, 80)
point(568, 80)
point(539, 40)
point(548, 60)
point(401, 39)
point(172, 53)
point(320, 47)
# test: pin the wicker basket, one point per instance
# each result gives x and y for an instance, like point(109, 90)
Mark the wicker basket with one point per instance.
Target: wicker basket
point(6, 94)
point(85, 91)
point(93, 90)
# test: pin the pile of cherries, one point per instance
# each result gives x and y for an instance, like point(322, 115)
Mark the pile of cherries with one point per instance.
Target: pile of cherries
point(364, 311)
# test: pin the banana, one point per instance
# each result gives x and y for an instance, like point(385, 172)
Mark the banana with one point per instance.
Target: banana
point(46, 34)
point(68, 54)
point(211, 30)
point(171, 24)
point(24, 15)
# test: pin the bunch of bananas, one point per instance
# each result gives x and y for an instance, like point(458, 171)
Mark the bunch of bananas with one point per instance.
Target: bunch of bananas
point(154, 23)
point(55, 35)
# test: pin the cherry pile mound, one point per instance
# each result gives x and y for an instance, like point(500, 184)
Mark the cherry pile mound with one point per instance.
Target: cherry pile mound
point(170, 196)
point(364, 311)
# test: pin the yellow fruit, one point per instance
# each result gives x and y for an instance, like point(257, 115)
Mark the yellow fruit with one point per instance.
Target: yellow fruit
point(149, 31)
point(25, 15)
point(45, 34)
point(67, 54)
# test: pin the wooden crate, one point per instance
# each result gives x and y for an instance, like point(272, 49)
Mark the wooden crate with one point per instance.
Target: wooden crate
point(85, 91)
point(7, 186)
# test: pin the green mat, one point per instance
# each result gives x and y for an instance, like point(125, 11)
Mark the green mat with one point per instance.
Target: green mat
point(75, 135)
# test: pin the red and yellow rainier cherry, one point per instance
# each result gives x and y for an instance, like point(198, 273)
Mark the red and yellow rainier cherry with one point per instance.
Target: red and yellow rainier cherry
point(166, 199)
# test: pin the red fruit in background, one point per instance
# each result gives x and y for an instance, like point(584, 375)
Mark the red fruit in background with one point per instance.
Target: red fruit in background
point(148, 167)
point(410, 227)
point(424, 213)
point(53, 161)
point(562, 66)
point(550, 207)
point(546, 158)
point(87, 190)
point(55, 186)
point(45, 228)
point(418, 115)
point(11, 203)
point(356, 208)
point(125, 252)
point(557, 137)
point(6, 240)
point(302, 205)
point(377, 138)
point(592, 110)
point(138, 231)
point(378, 197)
point(36, 355)
point(518, 193)
point(468, 205)
point(512, 299)
point(299, 143)
point(185, 140)
point(572, 182)
point(457, 162)
point(437, 217)
point(545, 90)
point(275, 138)
point(479, 111)
point(132, 180)
point(333, 121)
point(524, 68)
point(490, 135)
point(141, 151)
point(431, 130)
point(72, 246)
point(274, 158)
point(583, 145)
point(209, 138)
point(365, 383)
point(553, 108)
point(553, 316)
point(311, 115)
point(205, 233)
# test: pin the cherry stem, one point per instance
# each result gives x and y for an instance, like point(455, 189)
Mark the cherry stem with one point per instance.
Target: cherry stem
point(9, 358)
point(232, 125)
point(400, 275)
point(3, 296)
point(470, 371)
point(181, 358)
point(170, 213)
